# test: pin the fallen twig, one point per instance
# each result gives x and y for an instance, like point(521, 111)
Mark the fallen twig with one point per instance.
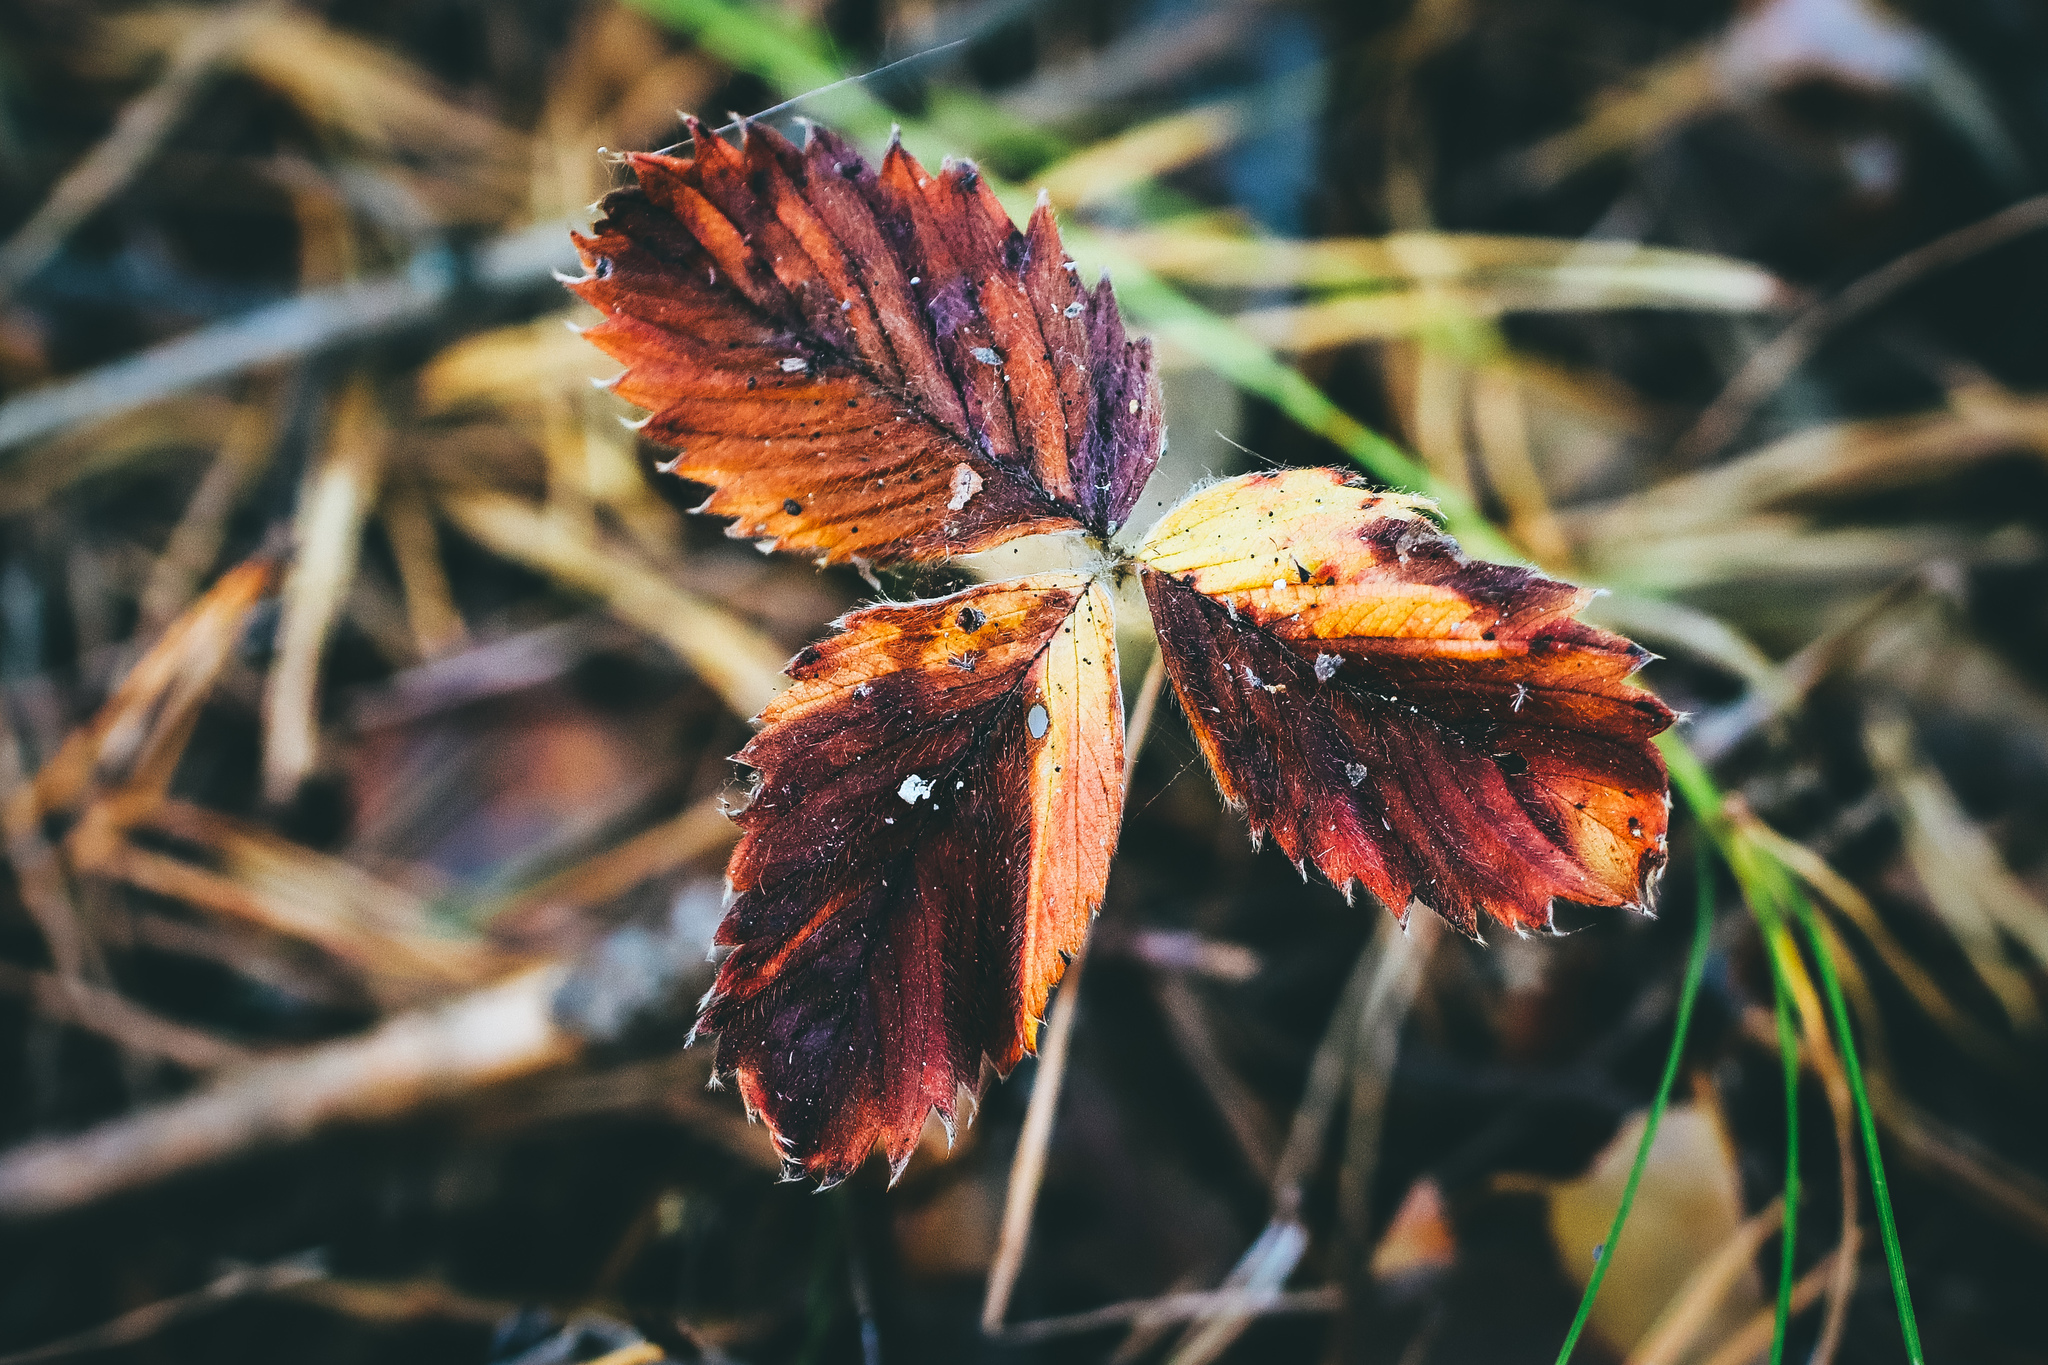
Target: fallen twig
point(1775, 362)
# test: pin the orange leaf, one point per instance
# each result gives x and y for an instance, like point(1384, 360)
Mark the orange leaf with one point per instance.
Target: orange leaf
point(939, 798)
point(867, 365)
point(1435, 728)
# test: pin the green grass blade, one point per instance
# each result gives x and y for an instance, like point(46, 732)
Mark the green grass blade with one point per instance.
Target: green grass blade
point(1691, 780)
point(1866, 1120)
point(1695, 971)
point(1788, 1049)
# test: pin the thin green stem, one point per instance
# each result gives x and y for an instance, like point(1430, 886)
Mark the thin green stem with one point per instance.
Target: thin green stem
point(1695, 971)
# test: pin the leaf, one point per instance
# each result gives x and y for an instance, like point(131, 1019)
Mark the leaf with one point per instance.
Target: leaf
point(1420, 1242)
point(1436, 728)
point(1688, 1208)
point(939, 798)
point(867, 365)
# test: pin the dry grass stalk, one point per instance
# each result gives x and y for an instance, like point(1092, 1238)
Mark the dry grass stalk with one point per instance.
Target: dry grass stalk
point(1842, 895)
point(137, 134)
point(1675, 1334)
point(1103, 170)
point(1568, 272)
point(1372, 1073)
point(640, 1353)
point(1960, 870)
point(383, 932)
point(1767, 369)
point(728, 654)
point(142, 1323)
point(1170, 1309)
point(339, 493)
point(1250, 1127)
point(400, 1301)
point(509, 369)
point(1258, 1274)
point(492, 1035)
point(1500, 421)
point(430, 609)
point(39, 878)
point(368, 100)
point(135, 739)
point(1827, 462)
point(1355, 1057)
point(312, 322)
point(1791, 549)
point(676, 1087)
point(81, 446)
point(137, 1031)
point(195, 543)
point(1656, 100)
point(141, 726)
point(1170, 47)
point(536, 913)
point(1753, 1339)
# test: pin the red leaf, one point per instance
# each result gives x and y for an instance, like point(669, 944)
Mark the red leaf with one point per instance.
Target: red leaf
point(939, 798)
point(863, 365)
point(1435, 728)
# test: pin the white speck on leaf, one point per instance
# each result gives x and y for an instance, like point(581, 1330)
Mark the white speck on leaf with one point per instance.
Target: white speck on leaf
point(914, 789)
point(987, 356)
point(1326, 669)
point(1037, 720)
point(966, 483)
point(1072, 310)
point(1354, 773)
point(794, 363)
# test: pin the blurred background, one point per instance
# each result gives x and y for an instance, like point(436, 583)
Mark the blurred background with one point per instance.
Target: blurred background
point(367, 697)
